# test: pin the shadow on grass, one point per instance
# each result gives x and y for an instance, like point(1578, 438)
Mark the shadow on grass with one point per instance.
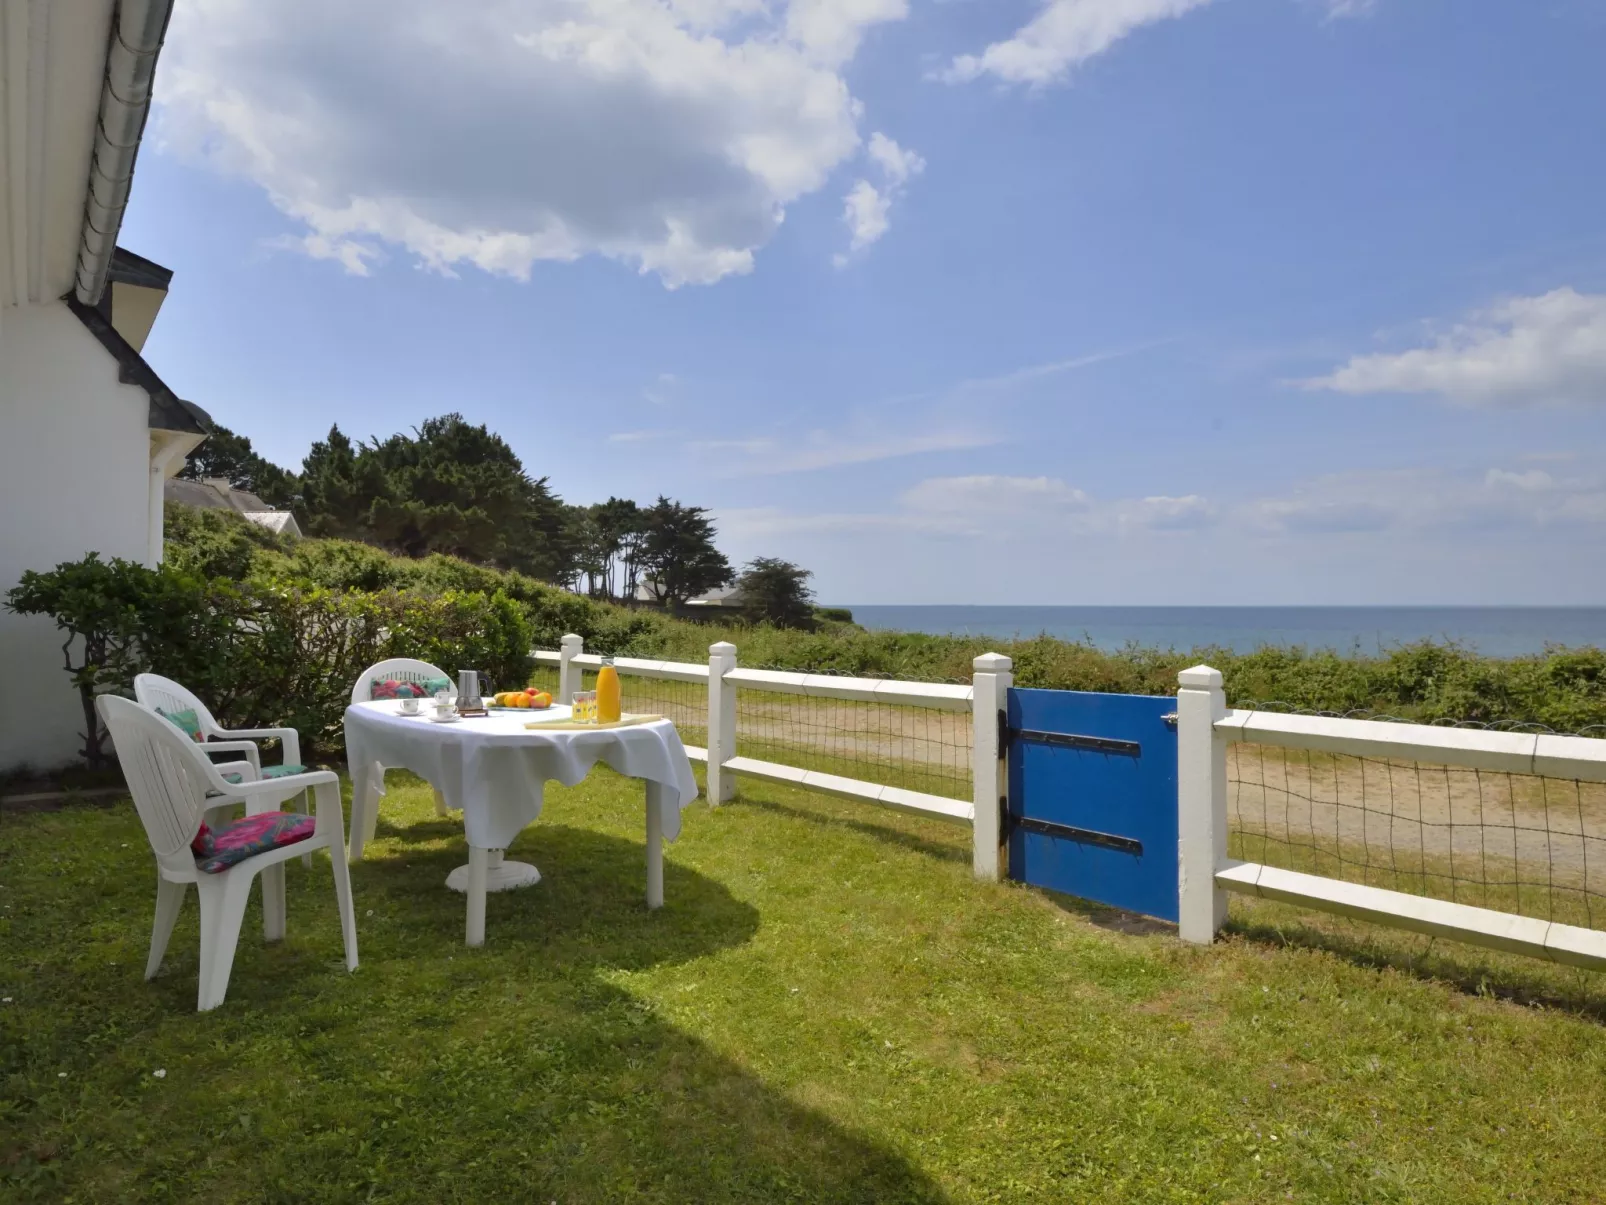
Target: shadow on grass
point(1102, 916)
point(1467, 969)
point(880, 832)
point(524, 1070)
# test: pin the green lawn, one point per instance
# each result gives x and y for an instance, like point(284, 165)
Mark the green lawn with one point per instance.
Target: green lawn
point(827, 1009)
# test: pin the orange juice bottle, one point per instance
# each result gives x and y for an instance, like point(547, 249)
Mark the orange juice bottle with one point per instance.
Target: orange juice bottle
point(608, 701)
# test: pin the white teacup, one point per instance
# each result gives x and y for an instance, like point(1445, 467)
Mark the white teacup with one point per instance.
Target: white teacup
point(409, 706)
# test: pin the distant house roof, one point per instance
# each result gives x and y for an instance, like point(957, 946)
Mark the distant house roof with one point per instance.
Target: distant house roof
point(215, 493)
point(725, 596)
point(280, 521)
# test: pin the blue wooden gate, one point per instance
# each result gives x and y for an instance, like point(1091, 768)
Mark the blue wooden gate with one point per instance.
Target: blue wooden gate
point(1093, 797)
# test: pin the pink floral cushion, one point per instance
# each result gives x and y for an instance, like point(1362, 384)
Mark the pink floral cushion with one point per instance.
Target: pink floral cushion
point(393, 688)
point(220, 848)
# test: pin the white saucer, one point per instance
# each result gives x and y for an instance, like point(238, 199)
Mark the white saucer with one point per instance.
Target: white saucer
point(444, 719)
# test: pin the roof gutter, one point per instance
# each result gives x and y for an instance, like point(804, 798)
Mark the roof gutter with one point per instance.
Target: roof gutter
point(138, 27)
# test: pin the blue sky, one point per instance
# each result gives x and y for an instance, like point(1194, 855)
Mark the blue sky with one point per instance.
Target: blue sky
point(991, 301)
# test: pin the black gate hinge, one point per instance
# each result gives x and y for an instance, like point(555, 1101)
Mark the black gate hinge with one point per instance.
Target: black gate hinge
point(1004, 733)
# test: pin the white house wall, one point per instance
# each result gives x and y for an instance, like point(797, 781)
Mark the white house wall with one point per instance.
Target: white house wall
point(74, 478)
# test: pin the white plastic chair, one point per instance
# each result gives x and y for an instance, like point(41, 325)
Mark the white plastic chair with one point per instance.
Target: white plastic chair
point(164, 694)
point(402, 669)
point(173, 785)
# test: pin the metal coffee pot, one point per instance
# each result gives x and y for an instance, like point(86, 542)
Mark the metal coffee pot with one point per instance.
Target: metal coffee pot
point(471, 683)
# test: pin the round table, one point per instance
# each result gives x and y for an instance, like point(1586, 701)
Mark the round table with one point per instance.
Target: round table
point(493, 768)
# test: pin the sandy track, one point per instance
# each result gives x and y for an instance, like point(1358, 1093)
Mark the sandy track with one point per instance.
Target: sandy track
point(1411, 817)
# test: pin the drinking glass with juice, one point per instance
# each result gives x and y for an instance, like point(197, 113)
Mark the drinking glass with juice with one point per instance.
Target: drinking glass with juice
point(608, 700)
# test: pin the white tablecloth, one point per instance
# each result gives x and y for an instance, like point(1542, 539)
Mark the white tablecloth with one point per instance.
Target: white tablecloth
point(493, 768)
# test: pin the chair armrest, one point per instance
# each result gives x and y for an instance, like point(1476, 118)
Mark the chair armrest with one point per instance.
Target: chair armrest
point(290, 784)
point(246, 771)
point(249, 748)
point(288, 737)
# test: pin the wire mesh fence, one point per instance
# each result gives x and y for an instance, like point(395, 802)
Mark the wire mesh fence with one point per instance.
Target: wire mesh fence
point(685, 704)
point(1518, 843)
point(917, 748)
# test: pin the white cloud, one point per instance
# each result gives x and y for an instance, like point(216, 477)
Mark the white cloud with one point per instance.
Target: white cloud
point(814, 450)
point(897, 163)
point(864, 212)
point(1428, 500)
point(1533, 479)
point(670, 135)
point(832, 29)
point(636, 437)
point(1165, 513)
point(865, 208)
point(1065, 34)
point(1550, 348)
point(993, 496)
point(1337, 10)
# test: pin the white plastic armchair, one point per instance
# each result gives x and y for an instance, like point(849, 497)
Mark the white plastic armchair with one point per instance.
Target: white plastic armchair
point(173, 784)
point(164, 694)
point(402, 669)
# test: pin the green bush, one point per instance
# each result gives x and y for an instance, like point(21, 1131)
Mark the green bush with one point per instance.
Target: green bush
point(217, 543)
point(262, 653)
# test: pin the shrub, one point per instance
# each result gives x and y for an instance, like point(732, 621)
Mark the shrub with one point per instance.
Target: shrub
point(118, 616)
point(261, 653)
point(217, 543)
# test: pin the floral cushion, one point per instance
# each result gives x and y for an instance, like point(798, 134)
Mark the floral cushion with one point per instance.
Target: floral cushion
point(187, 721)
point(220, 848)
point(271, 772)
point(435, 685)
point(392, 688)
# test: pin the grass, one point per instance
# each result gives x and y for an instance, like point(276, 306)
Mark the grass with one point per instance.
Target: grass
point(827, 1009)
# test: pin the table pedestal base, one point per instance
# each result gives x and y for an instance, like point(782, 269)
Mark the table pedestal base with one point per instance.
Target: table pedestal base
point(500, 875)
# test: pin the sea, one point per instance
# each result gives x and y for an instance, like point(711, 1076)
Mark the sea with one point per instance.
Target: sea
point(1491, 631)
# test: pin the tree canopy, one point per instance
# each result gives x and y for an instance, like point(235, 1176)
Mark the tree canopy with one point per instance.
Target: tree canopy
point(231, 457)
point(449, 487)
point(776, 591)
point(459, 489)
point(678, 557)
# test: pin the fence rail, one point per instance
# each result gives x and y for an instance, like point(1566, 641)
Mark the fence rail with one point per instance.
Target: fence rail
point(1333, 808)
point(907, 746)
point(1338, 813)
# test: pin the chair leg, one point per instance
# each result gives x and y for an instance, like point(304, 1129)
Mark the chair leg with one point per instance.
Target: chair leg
point(348, 914)
point(169, 902)
point(440, 804)
point(223, 898)
point(273, 903)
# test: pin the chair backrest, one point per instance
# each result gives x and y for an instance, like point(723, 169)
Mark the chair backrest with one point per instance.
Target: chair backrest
point(167, 774)
point(164, 694)
point(403, 669)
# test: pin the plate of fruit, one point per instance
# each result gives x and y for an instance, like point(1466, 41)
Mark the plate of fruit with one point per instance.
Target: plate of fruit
point(522, 700)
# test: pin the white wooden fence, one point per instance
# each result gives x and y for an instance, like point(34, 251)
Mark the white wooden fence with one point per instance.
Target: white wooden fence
point(983, 698)
point(1205, 729)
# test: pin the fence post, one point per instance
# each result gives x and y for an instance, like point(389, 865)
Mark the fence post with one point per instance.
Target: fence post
point(568, 672)
point(989, 771)
point(721, 722)
point(1201, 803)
